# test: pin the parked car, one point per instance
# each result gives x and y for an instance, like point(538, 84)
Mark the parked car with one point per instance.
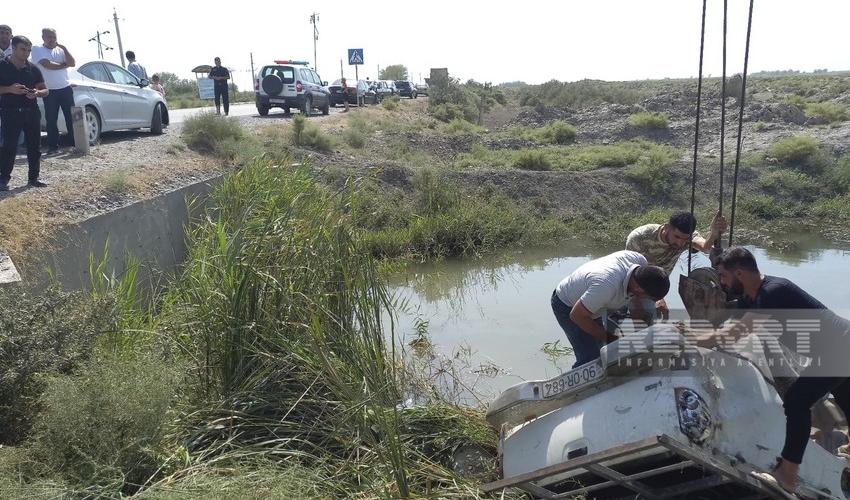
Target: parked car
point(113, 99)
point(406, 89)
point(422, 88)
point(391, 86)
point(290, 84)
point(358, 93)
point(381, 90)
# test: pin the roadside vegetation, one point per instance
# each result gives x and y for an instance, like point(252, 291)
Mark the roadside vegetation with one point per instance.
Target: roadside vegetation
point(267, 367)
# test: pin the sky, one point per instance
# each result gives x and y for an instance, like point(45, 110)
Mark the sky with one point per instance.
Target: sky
point(496, 42)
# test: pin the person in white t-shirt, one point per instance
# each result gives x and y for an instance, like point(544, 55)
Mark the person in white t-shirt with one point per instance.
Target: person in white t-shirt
point(53, 59)
point(608, 283)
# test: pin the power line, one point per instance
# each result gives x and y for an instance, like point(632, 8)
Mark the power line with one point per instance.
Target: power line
point(100, 45)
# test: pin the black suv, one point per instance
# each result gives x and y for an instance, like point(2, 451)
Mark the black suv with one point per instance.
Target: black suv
point(290, 84)
point(405, 89)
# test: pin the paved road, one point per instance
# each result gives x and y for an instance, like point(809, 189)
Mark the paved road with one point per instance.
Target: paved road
point(239, 109)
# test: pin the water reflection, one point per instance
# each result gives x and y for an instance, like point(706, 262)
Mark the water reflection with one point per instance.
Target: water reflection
point(497, 311)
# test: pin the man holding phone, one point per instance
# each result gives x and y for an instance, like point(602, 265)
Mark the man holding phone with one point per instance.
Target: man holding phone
point(21, 83)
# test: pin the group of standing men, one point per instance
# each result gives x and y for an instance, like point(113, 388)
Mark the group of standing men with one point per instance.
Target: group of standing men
point(26, 74)
point(639, 276)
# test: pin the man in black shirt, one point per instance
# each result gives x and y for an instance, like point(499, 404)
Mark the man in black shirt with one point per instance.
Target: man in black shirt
point(219, 74)
point(801, 323)
point(21, 82)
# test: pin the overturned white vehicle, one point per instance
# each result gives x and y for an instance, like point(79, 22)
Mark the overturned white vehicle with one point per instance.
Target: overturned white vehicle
point(657, 417)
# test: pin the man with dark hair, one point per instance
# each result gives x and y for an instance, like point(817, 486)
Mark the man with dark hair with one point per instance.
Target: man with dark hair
point(219, 75)
point(662, 244)
point(134, 66)
point(53, 59)
point(778, 302)
point(582, 299)
point(21, 82)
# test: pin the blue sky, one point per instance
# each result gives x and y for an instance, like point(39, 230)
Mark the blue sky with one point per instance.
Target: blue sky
point(535, 42)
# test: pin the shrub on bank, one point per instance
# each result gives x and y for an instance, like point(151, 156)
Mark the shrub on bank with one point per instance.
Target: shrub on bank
point(648, 120)
point(827, 112)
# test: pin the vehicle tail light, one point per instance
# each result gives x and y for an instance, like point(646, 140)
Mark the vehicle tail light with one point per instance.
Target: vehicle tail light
point(298, 86)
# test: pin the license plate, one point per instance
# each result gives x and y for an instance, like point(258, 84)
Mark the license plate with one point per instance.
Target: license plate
point(573, 379)
point(278, 101)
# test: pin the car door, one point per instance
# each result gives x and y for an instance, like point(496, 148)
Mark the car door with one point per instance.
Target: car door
point(106, 96)
point(137, 103)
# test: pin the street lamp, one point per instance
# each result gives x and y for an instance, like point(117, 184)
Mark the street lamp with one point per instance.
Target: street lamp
point(100, 45)
point(313, 19)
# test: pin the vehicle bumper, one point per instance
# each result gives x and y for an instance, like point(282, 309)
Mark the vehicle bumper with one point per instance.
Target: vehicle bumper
point(265, 101)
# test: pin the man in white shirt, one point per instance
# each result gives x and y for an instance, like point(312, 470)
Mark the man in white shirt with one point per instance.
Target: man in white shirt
point(608, 283)
point(53, 59)
point(134, 66)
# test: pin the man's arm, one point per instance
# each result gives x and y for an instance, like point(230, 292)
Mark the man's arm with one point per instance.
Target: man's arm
point(728, 334)
point(70, 62)
point(584, 319)
point(718, 226)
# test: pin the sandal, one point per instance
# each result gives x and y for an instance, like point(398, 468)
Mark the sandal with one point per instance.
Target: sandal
point(770, 481)
point(843, 451)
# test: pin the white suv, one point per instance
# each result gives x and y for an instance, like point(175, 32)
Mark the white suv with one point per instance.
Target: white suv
point(290, 84)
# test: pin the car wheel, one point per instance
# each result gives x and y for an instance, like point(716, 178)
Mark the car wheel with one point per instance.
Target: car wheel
point(326, 108)
point(307, 106)
point(156, 121)
point(93, 125)
point(361, 101)
point(263, 110)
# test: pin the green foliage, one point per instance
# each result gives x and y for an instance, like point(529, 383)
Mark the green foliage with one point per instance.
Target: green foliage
point(531, 160)
point(795, 99)
point(203, 131)
point(649, 120)
point(355, 138)
point(309, 135)
point(760, 126)
point(391, 103)
point(393, 72)
point(789, 184)
point(42, 334)
point(447, 112)
point(651, 172)
point(557, 132)
point(461, 127)
point(579, 95)
point(762, 206)
point(827, 112)
point(794, 149)
point(838, 175)
point(98, 427)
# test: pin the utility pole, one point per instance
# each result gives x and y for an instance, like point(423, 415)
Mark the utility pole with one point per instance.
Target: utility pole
point(100, 45)
point(118, 34)
point(313, 20)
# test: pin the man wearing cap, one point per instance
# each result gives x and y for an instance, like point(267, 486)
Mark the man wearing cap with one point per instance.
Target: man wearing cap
point(581, 300)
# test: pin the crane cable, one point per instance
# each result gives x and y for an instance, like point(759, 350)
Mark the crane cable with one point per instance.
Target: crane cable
point(740, 137)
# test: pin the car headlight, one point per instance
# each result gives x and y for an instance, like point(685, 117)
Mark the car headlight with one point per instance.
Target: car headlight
point(695, 420)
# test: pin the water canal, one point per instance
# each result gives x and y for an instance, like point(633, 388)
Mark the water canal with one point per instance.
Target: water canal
point(491, 323)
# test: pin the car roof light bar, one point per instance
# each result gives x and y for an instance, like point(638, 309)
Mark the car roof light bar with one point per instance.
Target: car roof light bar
point(287, 61)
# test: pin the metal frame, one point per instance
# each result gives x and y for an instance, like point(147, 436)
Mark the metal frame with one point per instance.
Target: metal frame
point(714, 473)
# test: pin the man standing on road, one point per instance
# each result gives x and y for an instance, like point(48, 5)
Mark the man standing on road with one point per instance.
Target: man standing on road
point(54, 60)
point(135, 67)
point(581, 300)
point(21, 82)
point(219, 75)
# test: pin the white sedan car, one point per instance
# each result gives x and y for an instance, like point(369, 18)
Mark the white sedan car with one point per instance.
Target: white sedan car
point(114, 99)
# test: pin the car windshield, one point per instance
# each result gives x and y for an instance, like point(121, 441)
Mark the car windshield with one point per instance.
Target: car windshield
point(337, 83)
point(401, 84)
point(286, 74)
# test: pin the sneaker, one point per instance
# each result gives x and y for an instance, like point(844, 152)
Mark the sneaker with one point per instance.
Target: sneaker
point(37, 183)
point(4, 186)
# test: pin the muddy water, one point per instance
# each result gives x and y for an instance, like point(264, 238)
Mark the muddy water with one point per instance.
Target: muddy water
point(490, 320)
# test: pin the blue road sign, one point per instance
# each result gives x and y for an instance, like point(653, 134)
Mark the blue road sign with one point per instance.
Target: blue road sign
point(355, 56)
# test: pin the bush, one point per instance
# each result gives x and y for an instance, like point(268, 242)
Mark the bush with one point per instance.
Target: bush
point(789, 184)
point(531, 160)
point(460, 126)
point(560, 132)
point(204, 130)
point(828, 112)
point(650, 121)
point(309, 136)
point(447, 112)
point(794, 149)
point(651, 172)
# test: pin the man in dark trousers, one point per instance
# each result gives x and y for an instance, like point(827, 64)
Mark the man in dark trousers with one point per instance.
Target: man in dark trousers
point(219, 75)
point(21, 83)
point(803, 323)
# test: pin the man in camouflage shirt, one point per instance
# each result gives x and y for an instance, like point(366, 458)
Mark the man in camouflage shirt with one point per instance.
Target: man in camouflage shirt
point(662, 244)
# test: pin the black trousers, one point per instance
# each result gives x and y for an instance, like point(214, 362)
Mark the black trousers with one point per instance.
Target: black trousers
point(221, 93)
point(14, 121)
point(58, 99)
point(803, 393)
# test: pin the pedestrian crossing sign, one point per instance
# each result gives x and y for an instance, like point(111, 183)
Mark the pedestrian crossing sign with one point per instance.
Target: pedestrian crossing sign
point(355, 56)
